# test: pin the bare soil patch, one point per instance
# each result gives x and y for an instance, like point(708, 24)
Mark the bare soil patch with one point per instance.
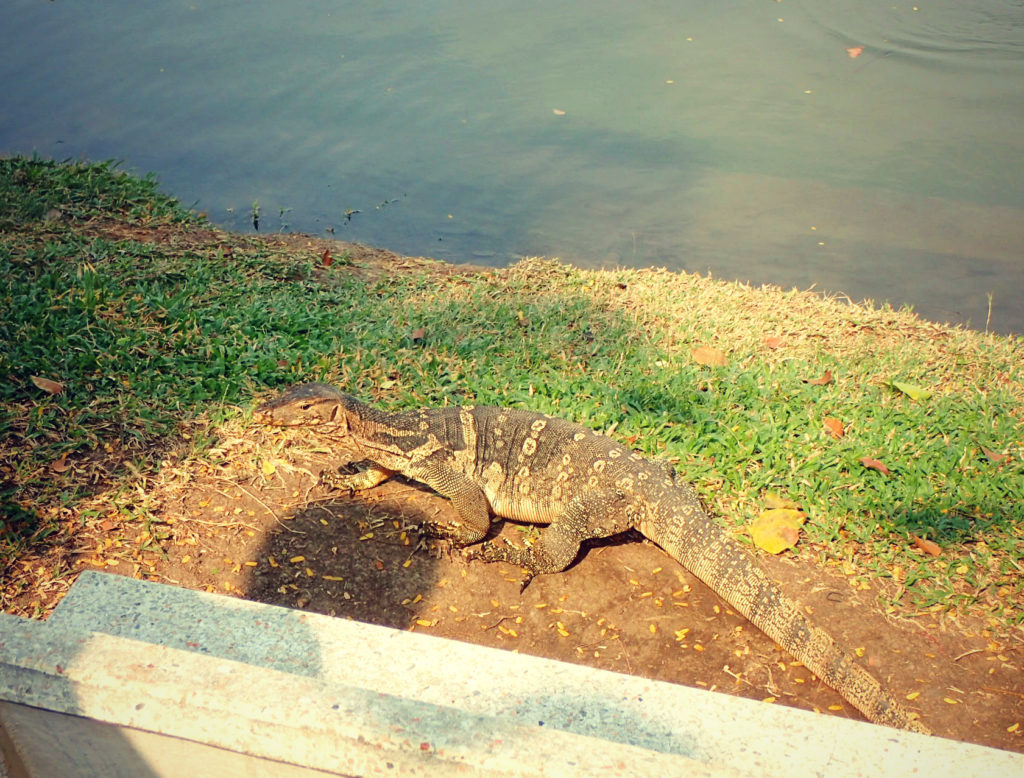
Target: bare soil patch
point(258, 526)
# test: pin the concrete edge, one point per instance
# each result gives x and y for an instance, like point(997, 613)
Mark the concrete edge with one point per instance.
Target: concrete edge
point(289, 718)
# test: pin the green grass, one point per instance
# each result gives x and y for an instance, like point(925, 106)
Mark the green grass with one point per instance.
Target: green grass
point(149, 334)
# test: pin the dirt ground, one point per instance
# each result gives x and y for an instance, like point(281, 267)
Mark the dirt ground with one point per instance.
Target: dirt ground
point(264, 529)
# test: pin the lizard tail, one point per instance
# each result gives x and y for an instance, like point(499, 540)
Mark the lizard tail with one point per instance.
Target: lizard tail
point(702, 547)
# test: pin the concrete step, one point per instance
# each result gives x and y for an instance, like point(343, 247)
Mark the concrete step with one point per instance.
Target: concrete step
point(160, 670)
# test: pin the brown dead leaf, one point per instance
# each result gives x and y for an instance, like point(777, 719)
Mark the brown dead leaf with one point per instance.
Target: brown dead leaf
point(773, 341)
point(928, 546)
point(994, 456)
point(823, 381)
point(874, 464)
point(326, 259)
point(834, 427)
point(60, 465)
point(710, 356)
point(47, 385)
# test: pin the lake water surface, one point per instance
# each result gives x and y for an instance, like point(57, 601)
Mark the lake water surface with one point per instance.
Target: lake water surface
point(738, 137)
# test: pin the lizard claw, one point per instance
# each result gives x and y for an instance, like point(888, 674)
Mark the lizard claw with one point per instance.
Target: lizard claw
point(334, 481)
point(528, 576)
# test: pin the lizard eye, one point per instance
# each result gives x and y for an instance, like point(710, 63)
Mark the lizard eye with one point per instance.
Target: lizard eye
point(306, 406)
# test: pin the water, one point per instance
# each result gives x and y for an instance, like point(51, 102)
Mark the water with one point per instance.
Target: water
point(737, 137)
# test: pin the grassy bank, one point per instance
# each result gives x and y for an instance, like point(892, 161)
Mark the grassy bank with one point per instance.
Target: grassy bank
point(156, 327)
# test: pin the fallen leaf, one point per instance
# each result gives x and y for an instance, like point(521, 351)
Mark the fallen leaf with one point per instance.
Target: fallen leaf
point(777, 529)
point(558, 112)
point(774, 500)
point(326, 259)
point(928, 546)
point(855, 51)
point(994, 456)
point(823, 381)
point(774, 341)
point(834, 427)
point(706, 355)
point(60, 465)
point(910, 390)
point(874, 464)
point(48, 386)
point(268, 468)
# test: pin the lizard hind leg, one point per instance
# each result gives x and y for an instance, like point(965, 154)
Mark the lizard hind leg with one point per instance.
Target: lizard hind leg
point(559, 542)
point(551, 553)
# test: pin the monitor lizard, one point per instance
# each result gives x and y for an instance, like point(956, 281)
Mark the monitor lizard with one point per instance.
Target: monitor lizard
point(540, 469)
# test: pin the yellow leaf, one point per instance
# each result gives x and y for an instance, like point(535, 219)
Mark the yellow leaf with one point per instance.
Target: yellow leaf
point(777, 529)
point(267, 467)
point(706, 355)
point(774, 500)
point(910, 390)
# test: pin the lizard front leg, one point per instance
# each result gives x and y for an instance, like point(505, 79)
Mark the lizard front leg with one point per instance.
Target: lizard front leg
point(371, 475)
point(466, 497)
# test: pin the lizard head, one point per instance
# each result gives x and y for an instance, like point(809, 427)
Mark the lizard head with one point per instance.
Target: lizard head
point(306, 405)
